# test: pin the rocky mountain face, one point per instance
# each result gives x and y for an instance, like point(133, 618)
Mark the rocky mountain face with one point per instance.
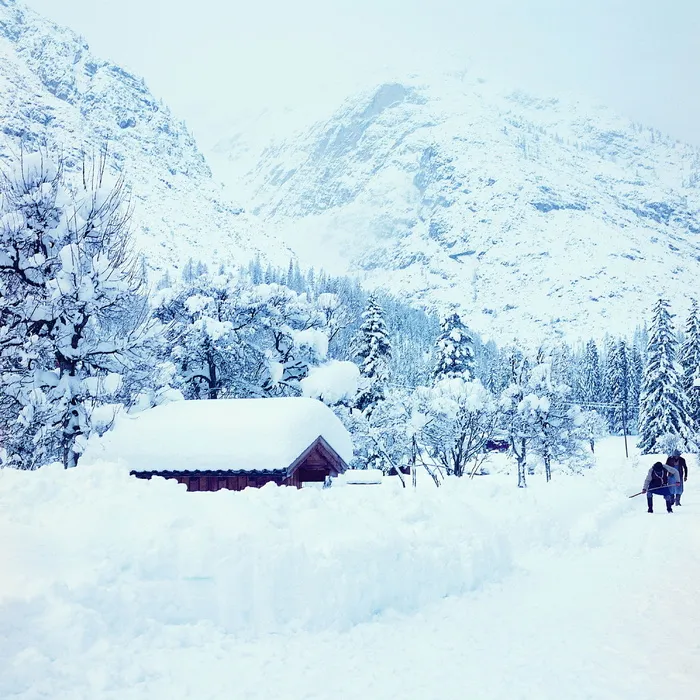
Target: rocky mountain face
point(522, 212)
point(55, 94)
point(528, 215)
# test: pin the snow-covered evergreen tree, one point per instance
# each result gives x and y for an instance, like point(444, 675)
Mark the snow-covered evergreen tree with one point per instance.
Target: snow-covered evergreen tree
point(562, 366)
point(591, 383)
point(372, 352)
point(488, 368)
point(689, 357)
point(189, 271)
point(455, 350)
point(617, 381)
point(607, 359)
point(663, 403)
point(636, 374)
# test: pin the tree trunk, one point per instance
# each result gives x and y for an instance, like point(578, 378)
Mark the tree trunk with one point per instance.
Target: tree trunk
point(70, 457)
point(213, 379)
point(548, 467)
point(522, 465)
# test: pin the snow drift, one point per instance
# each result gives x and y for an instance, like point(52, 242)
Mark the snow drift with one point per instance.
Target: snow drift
point(115, 556)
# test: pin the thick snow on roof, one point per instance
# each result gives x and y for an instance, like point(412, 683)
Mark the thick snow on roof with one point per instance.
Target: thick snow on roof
point(236, 434)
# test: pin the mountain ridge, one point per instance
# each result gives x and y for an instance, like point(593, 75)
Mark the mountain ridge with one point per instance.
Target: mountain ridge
point(517, 210)
point(55, 94)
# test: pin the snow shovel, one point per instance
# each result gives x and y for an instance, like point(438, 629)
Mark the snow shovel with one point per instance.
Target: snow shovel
point(647, 491)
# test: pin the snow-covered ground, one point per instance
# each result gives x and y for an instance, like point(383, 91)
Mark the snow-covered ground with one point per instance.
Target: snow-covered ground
point(112, 587)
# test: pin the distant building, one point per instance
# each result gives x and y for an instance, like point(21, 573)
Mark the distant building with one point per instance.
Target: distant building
point(229, 443)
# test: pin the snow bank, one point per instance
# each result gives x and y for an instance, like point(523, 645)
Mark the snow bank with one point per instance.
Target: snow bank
point(121, 552)
point(361, 477)
point(332, 382)
point(91, 553)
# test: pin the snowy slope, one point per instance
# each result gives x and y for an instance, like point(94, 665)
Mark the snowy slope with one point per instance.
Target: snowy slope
point(55, 92)
point(114, 588)
point(519, 210)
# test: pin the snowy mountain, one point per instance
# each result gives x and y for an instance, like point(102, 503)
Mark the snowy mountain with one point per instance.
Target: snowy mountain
point(55, 93)
point(519, 211)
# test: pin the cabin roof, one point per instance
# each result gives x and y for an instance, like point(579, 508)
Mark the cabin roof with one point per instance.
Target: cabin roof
point(225, 435)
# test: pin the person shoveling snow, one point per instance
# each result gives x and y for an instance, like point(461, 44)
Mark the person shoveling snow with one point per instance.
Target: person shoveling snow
point(661, 480)
point(676, 460)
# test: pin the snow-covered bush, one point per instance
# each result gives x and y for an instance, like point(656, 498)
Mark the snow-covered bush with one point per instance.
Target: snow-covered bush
point(460, 417)
point(335, 382)
point(558, 425)
point(382, 437)
point(593, 427)
point(667, 443)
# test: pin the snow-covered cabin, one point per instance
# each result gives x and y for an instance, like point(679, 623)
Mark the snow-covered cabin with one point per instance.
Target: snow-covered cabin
point(230, 443)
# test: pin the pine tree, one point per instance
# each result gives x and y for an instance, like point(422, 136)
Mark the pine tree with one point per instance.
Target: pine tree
point(636, 374)
point(562, 369)
point(491, 374)
point(372, 351)
point(591, 383)
point(610, 349)
point(189, 272)
point(663, 405)
point(690, 361)
point(165, 281)
point(311, 280)
point(455, 350)
point(617, 380)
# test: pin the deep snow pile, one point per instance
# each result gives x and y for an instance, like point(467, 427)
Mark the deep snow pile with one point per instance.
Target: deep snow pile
point(266, 560)
point(118, 588)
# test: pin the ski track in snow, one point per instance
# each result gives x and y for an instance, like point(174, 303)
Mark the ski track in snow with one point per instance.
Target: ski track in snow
point(610, 616)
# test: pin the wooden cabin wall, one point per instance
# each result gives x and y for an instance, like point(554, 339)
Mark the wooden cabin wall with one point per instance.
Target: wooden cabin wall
point(314, 467)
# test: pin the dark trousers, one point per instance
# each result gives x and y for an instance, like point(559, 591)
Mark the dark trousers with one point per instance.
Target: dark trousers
point(665, 492)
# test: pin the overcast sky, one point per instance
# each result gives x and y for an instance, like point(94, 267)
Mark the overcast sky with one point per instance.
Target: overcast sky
point(208, 58)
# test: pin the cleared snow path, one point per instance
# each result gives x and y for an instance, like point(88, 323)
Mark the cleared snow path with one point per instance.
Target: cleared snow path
point(607, 611)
